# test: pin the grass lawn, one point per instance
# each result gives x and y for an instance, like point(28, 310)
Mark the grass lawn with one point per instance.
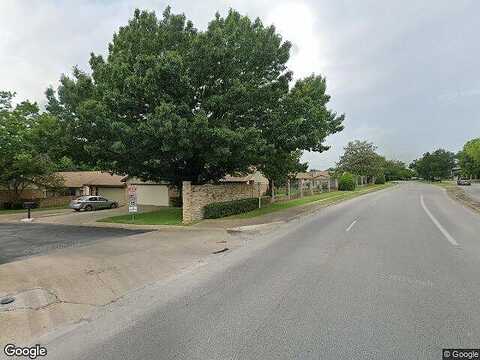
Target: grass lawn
point(166, 216)
point(323, 198)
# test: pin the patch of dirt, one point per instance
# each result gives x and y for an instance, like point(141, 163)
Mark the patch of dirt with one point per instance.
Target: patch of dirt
point(457, 193)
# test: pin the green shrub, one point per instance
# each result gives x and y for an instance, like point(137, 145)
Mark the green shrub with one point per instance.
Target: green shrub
point(346, 182)
point(13, 205)
point(227, 208)
point(380, 179)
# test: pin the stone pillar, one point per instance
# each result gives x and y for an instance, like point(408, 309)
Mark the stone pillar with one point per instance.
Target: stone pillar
point(301, 188)
point(311, 187)
point(328, 185)
point(336, 184)
point(288, 188)
point(187, 202)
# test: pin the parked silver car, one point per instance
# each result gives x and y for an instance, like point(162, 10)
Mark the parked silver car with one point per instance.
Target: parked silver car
point(464, 182)
point(89, 203)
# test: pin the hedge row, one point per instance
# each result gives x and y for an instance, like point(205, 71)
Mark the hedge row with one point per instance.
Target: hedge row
point(227, 208)
point(17, 205)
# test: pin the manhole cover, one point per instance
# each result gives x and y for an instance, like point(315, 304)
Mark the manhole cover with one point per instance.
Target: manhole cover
point(7, 300)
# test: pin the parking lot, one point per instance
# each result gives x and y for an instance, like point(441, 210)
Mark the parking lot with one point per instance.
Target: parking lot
point(23, 240)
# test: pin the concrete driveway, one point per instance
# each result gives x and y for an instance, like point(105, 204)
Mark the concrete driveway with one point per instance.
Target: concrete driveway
point(87, 217)
point(473, 191)
point(23, 240)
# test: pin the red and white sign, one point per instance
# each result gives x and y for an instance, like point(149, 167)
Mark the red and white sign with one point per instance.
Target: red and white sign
point(132, 199)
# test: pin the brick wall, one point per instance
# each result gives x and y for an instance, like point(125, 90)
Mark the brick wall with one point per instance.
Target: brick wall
point(195, 197)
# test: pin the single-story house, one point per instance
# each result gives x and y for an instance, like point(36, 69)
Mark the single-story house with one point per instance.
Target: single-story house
point(164, 194)
point(313, 178)
point(79, 183)
point(152, 193)
point(255, 177)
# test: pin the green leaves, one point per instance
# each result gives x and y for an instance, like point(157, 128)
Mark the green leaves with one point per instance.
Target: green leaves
point(469, 158)
point(435, 165)
point(23, 155)
point(360, 158)
point(173, 103)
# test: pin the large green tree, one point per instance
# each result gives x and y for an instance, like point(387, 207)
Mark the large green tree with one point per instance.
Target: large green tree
point(396, 170)
point(22, 163)
point(435, 165)
point(361, 158)
point(173, 103)
point(469, 159)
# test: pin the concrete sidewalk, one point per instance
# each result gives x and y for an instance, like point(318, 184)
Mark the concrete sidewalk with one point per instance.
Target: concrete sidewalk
point(69, 285)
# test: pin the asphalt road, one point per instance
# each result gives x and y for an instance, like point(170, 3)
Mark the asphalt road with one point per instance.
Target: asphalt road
point(18, 241)
point(473, 191)
point(390, 275)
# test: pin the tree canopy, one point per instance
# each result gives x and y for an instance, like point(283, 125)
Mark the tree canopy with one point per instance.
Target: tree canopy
point(469, 159)
point(173, 103)
point(361, 158)
point(396, 170)
point(22, 161)
point(435, 165)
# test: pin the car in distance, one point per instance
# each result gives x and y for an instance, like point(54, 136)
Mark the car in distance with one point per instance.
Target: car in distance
point(464, 182)
point(89, 203)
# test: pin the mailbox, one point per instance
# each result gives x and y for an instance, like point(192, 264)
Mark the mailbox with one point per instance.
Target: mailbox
point(29, 205)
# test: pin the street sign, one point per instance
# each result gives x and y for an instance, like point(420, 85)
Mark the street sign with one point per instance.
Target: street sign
point(132, 199)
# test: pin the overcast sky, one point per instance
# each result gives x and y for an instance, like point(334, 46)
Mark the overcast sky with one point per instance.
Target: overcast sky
point(405, 73)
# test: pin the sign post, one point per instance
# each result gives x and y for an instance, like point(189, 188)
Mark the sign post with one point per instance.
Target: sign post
point(132, 201)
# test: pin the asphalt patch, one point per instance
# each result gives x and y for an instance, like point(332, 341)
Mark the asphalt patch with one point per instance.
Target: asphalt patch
point(19, 241)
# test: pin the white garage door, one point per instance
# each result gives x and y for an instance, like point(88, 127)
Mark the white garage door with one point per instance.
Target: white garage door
point(152, 195)
point(116, 194)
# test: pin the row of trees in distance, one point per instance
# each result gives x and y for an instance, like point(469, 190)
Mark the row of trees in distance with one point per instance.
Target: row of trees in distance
point(360, 158)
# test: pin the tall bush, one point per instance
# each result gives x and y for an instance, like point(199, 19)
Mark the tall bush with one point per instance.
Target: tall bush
point(346, 182)
point(380, 179)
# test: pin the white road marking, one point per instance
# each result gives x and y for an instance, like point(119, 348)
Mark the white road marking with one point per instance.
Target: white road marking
point(351, 225)
point(437, 224)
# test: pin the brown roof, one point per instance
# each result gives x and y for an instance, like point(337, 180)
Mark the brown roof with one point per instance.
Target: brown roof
point(76, 179)
point(312, 175)
point(256, 176)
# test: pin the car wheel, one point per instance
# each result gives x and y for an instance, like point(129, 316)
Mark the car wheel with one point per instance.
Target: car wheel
point(113, 206)
point(88, 208)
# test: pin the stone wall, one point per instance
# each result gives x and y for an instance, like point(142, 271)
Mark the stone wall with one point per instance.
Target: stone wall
point(195, 197)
